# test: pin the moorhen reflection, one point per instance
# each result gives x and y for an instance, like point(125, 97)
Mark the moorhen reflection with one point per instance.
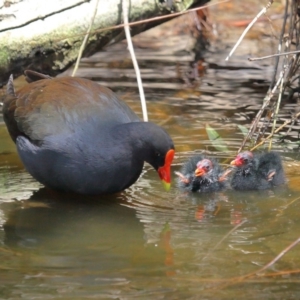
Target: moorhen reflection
point(74, 135)
point(87, 237)
point(48, 214)
point(257, 171)
point(201, 174)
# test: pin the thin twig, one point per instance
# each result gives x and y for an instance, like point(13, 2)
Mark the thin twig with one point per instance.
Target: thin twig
point(260, 112)
point(270, 94)
point(248, 28)
point(154, 19)
point(43, 17)
point(273, 55)
point(277, 130)
point(280, 211)
point(125, 8)
point(280, 273)
point(237, 280)
point(224, 237)
point(285, 64)
point(165, 121)
point(281, 254)
point(275, 115)
point(279, 44)
point(221, 280)
point(86, 37)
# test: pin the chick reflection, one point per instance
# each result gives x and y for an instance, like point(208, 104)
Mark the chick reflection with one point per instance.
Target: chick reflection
point(103, 234)
point(209, 207)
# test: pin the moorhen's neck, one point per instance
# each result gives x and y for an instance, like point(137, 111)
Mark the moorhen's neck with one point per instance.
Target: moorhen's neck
point(151, 147)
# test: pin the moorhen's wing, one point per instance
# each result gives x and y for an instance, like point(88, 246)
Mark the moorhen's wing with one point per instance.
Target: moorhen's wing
point(62, 106)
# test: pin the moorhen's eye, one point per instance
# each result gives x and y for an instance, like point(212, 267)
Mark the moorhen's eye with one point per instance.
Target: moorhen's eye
point(157, 154)
point(207, 166)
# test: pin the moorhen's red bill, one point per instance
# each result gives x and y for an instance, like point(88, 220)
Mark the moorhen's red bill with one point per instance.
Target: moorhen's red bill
point(74, 135)
point(257, 171)
point(201, 174)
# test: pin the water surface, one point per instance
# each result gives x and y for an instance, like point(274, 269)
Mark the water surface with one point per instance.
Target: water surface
point(146, 243)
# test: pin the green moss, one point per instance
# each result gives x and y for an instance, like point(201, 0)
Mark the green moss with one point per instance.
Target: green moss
point(4, 58)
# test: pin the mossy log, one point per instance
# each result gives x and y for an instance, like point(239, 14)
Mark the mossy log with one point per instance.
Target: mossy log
point(46, 35)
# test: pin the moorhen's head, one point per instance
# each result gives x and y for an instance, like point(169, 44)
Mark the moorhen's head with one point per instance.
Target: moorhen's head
point(242, 159)
point(160, 152)
point(204, 166)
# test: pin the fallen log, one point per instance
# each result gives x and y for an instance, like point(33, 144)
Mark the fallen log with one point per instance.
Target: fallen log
point(46, 36)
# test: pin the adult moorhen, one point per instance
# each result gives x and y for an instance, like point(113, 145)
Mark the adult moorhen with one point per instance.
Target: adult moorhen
point(201, 174)
point(257, 171)
point(75, 135)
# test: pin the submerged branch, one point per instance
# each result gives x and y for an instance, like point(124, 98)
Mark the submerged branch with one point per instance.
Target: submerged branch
point(241, 279)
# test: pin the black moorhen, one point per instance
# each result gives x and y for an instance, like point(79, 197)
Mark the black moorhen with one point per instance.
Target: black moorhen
point(74, 135)
point(257, 171)
point(201, 174)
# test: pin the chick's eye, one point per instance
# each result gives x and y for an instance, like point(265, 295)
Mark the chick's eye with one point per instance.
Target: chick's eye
point(157, 154)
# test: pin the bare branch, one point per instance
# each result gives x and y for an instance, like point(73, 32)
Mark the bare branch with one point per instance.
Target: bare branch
point(248, 28)
point(40, 17)
point(134, 60)
point(86, 37)
point(273, 55)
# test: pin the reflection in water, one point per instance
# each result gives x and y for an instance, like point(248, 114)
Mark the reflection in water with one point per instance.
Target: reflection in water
point(140, 243)
point(89, 242)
